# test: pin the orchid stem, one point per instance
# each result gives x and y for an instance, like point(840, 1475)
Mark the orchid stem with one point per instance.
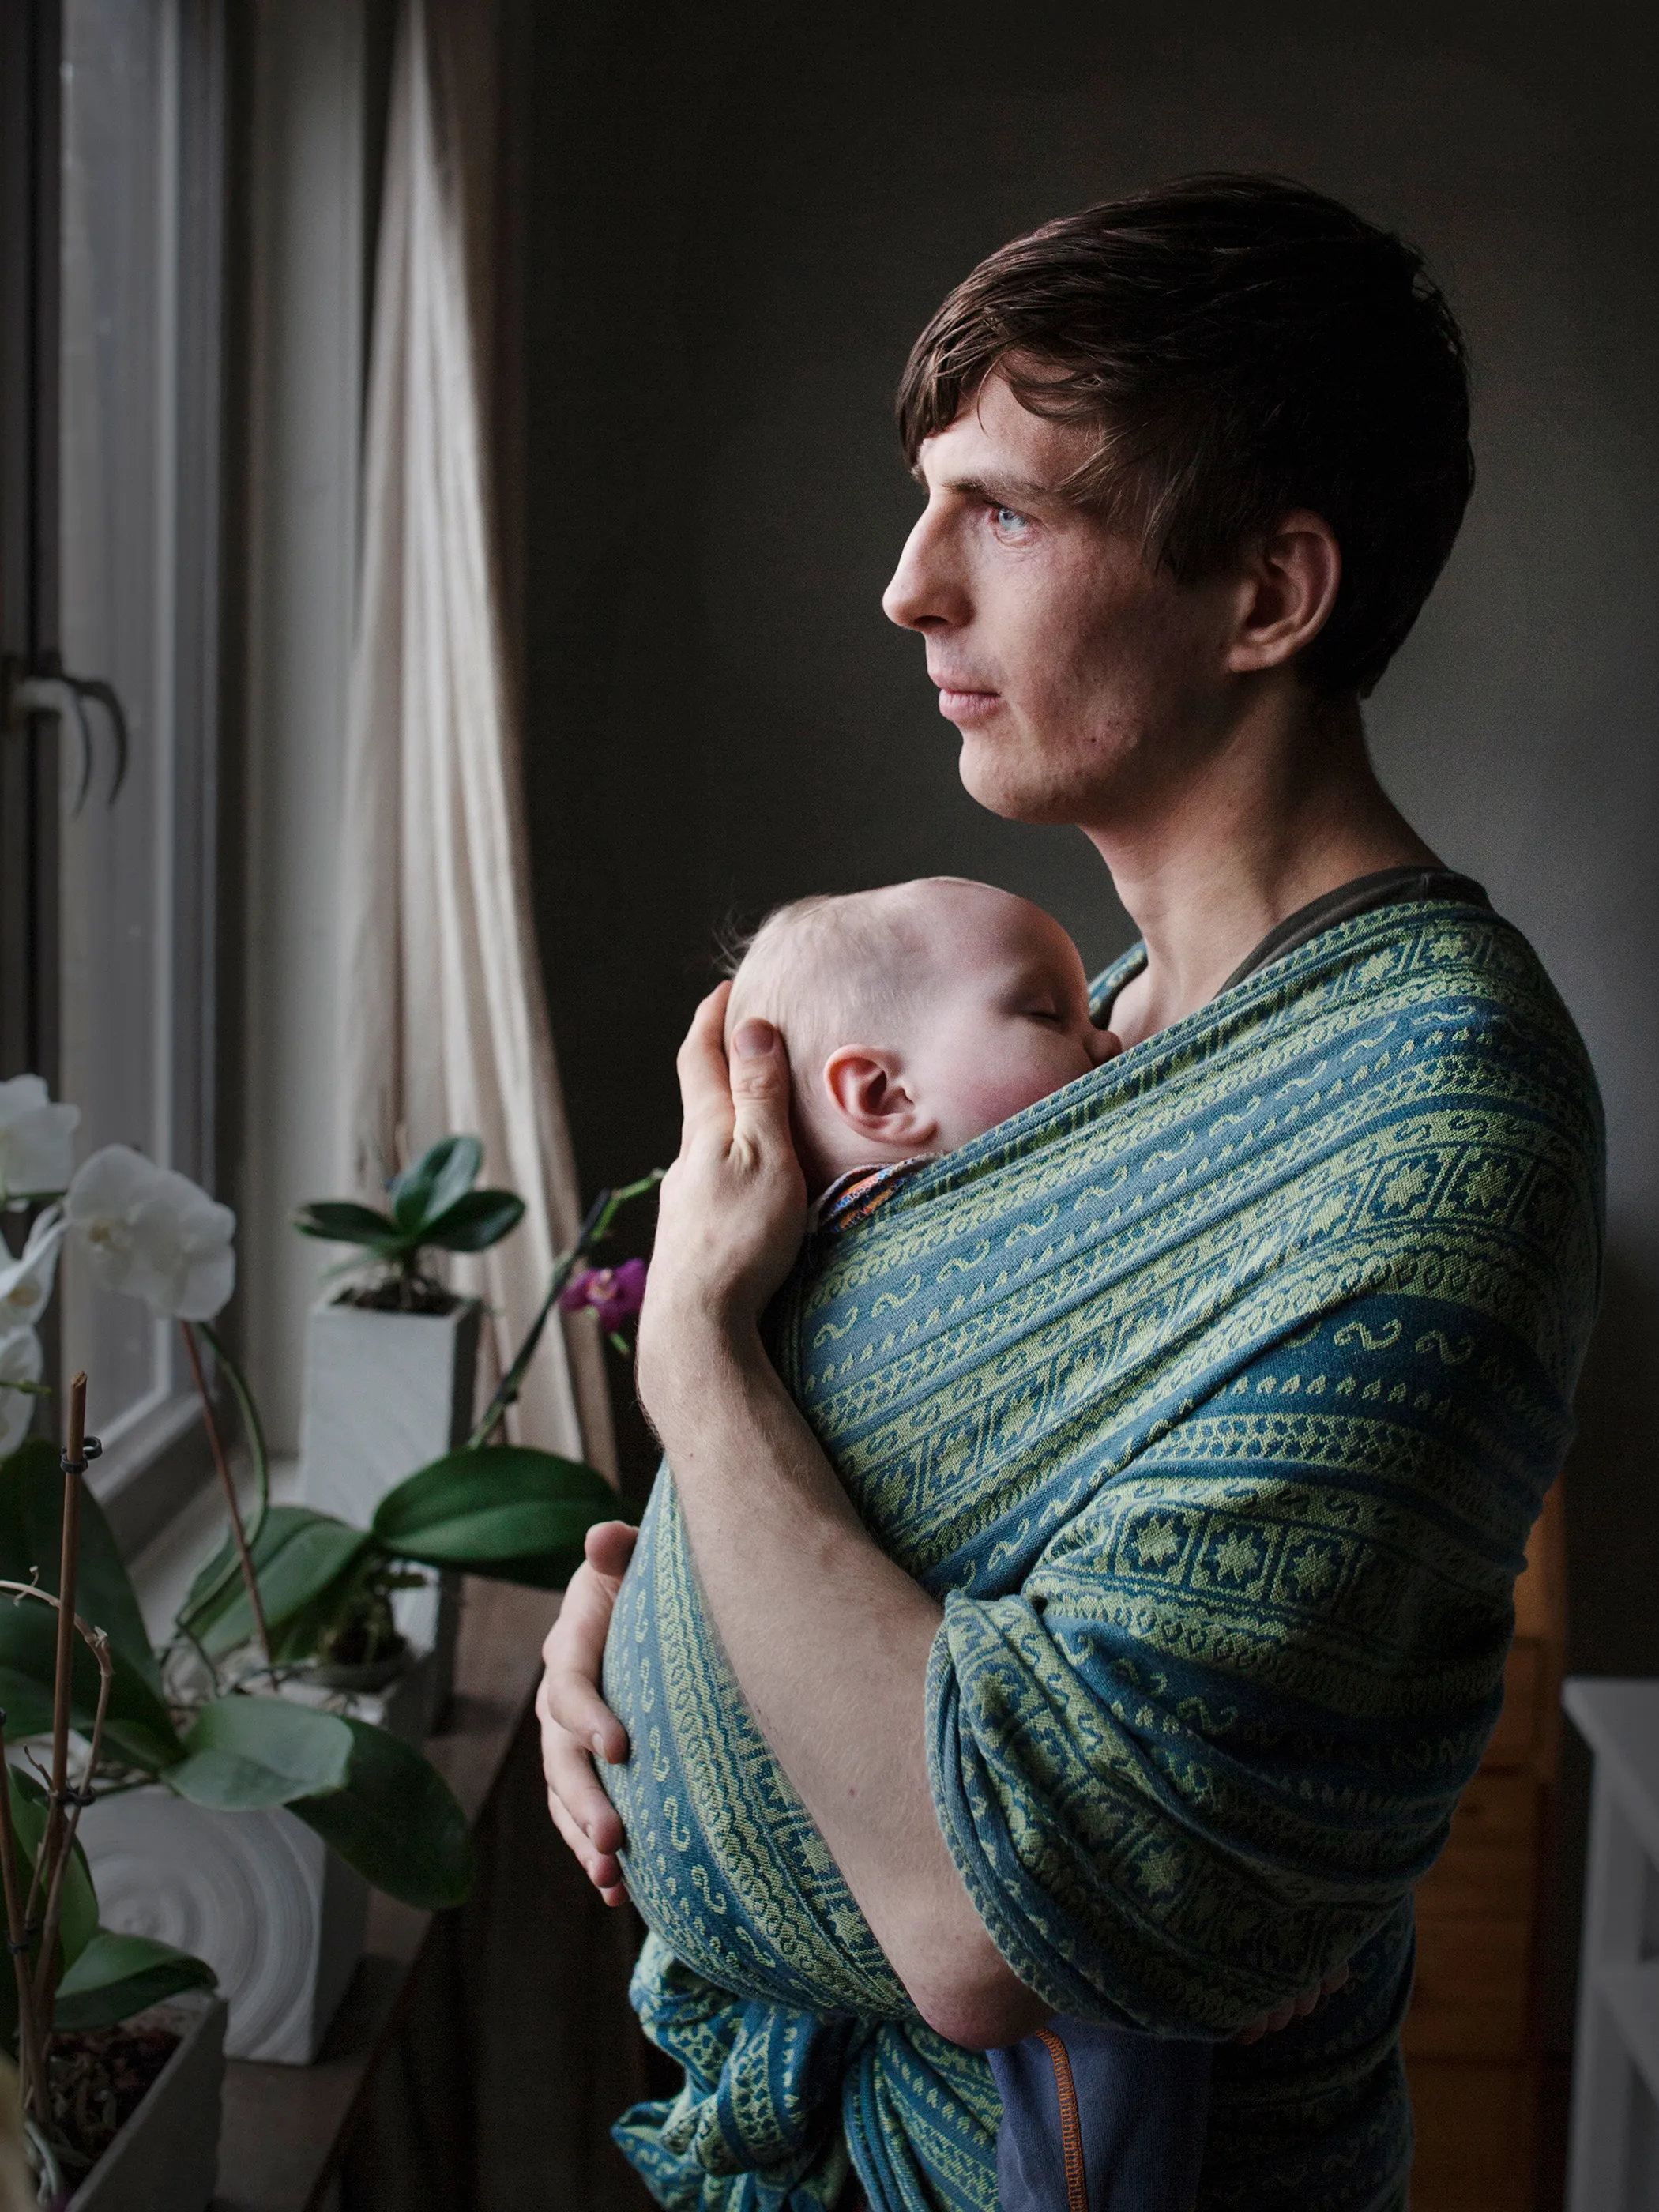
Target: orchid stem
point(596, 1227)
point(250, 1579)
point(75, 1466)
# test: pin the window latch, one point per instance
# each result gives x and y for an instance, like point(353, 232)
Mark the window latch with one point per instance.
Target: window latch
point(48, 688)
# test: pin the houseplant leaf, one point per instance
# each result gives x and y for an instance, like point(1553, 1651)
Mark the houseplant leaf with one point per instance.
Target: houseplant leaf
point(474, 1222)
point(78, 1923)
point(396, 1820)
point(298, 1554)
point(339, 1221)
point(504, 1510)
point(139, 1726)
point(434, 1183)
point(117, 1975)
point(242, 1752)
point(31, 1535)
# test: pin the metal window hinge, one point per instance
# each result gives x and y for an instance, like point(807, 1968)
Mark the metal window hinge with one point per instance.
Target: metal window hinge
point(46, 689)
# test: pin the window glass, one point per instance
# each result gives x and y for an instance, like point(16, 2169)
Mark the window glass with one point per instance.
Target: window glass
point(138, 461)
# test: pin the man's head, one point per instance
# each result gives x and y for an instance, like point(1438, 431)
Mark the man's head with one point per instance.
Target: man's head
point(915, 1017)
point(1218, 431)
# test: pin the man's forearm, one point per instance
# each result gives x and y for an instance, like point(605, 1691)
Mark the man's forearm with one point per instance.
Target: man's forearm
point(830, 1641)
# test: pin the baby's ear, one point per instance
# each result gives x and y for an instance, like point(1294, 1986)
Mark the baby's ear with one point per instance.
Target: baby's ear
point(868, 1090)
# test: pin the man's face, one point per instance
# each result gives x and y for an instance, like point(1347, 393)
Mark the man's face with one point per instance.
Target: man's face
point(1085, 684)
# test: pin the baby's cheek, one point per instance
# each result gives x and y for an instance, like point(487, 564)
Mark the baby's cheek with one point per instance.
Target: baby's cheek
point(1009, 1079)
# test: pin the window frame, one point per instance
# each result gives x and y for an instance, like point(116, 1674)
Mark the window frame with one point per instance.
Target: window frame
point(156, 1452)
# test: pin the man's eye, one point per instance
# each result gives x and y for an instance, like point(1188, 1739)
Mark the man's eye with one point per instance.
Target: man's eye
point(1009, 522)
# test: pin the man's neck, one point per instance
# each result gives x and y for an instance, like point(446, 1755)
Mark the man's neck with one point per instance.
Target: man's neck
point(1287, 809)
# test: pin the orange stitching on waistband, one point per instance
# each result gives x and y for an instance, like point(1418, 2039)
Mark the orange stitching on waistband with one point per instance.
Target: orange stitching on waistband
point(1071, 2128)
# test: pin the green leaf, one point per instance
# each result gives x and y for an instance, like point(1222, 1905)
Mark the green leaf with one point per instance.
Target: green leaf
point(117, 1975)
point(503, 1511)
point(298, 1555)
point(433, 1185)
point(476, 1222)
point(396, 1821)
point(243, 1753)
point(139, 1726)
point(339, 1221)
point(78, 1920)
point(32, 1535)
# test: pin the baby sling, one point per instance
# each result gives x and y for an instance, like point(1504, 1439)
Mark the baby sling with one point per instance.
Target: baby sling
point(1214, 1398)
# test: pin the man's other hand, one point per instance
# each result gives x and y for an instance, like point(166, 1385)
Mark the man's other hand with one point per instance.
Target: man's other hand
point(577, 1725)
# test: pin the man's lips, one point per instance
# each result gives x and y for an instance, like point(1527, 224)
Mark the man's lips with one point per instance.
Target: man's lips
point(960, 702)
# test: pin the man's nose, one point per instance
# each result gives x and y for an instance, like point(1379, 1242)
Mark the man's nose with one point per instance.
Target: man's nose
point(924, 594)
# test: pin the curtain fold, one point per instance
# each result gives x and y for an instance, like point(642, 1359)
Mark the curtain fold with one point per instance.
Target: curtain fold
point(445, 1025)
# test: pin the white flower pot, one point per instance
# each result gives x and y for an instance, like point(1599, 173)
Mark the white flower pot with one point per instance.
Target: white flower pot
point(386, 1393)
point(278, 1916)
point(165, 2157)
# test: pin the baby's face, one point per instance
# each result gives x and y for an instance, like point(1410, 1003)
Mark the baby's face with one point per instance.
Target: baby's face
point(1004, 1019)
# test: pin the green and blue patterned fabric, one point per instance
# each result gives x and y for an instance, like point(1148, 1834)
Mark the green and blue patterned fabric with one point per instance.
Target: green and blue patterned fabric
point(1214, 1398)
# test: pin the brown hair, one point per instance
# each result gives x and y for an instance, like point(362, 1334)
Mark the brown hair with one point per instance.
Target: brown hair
point(1243, 346)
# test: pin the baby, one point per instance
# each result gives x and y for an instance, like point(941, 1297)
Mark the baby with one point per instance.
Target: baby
point(914, 1018)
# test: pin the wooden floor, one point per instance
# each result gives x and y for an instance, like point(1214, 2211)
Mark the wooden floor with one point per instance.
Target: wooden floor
point(1472, 2044)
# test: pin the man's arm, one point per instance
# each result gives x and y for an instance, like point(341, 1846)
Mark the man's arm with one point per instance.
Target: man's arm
point(828, 1639)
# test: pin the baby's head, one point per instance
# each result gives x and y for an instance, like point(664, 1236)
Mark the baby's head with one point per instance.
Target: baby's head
point(916, 1017)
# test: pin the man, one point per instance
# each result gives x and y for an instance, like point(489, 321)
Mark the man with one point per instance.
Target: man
point(1192, 464)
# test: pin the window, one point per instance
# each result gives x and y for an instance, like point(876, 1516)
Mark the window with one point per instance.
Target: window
point(117, 418)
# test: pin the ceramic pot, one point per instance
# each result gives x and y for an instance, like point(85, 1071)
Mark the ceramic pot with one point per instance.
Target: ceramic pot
point(165, 2157)
point(386, 1393)
point(278, 1916)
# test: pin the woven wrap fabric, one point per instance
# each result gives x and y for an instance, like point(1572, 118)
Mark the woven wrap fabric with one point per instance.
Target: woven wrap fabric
point(1214, 1398)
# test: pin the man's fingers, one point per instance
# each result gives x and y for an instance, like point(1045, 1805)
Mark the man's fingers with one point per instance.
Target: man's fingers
point(705, 1085)
point(602, 1867)
point(1338, 1980)
point(570, 1778)
point(575, 1654)
point(760, 1086)
point(609, 1546)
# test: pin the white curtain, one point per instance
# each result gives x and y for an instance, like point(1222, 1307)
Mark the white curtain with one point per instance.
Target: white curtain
point(444, 1020)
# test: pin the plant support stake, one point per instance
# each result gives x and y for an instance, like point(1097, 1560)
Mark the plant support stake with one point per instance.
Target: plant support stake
point(73, 1463)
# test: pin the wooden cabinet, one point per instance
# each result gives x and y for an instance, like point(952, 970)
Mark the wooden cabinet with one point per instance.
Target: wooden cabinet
point(1472, 2049)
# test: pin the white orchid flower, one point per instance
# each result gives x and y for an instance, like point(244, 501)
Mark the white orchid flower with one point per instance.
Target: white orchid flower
point(25, 1282)
point(154, 1234)
point(21, 1361)
point(37, 1155)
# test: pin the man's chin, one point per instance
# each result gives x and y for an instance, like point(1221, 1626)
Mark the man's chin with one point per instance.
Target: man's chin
point(993, 778)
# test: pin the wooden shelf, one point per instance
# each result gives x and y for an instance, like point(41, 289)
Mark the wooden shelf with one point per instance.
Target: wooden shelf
point(283, 2124)
point(1472, 2044)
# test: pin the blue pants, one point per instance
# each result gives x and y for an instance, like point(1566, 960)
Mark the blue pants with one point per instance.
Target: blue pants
point(1097, 2119)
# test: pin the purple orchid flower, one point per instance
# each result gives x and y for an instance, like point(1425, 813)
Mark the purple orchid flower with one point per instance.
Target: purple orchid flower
point(616, 1294)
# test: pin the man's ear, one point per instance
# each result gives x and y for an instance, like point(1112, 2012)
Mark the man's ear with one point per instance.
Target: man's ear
point(1288, 589)
point(867, 1088)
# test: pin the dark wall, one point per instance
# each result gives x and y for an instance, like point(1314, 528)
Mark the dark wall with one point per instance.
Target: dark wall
point(739, 217)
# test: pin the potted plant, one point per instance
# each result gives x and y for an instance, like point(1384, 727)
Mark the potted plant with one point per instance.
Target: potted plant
point(391, 1372)
point(118, 2039)
point(235, 1790)
point(391, 1359)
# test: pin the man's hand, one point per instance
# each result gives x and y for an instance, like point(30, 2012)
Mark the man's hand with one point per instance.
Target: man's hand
point(576, 1723)
point(1296, 2008)
point(732, 1208)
